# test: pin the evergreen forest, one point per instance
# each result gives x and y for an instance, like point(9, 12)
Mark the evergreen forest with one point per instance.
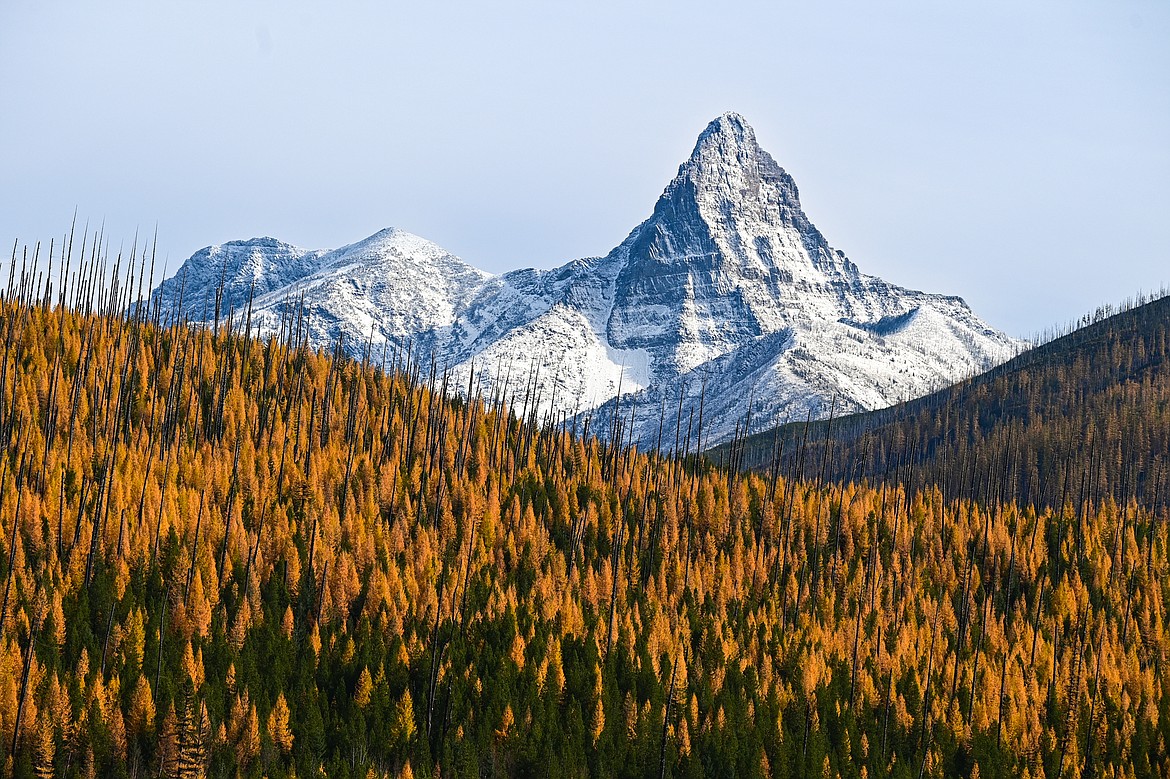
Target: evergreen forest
point(227, 555)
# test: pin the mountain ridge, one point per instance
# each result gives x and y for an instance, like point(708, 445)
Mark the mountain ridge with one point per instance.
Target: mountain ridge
point(727, 286)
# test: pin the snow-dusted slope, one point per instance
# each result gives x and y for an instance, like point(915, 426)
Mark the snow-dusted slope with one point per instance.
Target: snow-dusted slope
point(726, 293)
point(729, 285)
point(392, 286)
point(235, 269)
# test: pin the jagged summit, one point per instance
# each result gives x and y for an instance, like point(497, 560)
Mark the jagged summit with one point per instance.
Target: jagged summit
point(728, 139)
point(728, 123)
point(726, 286)
point(727, 187)
point(729, 255)
point(728, 145)
point(728, 161)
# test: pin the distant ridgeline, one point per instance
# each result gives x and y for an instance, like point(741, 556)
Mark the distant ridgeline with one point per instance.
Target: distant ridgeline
point(1078, 420)
point(228, 556)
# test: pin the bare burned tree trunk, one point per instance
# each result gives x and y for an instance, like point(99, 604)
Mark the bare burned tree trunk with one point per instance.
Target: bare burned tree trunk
point(34, 629)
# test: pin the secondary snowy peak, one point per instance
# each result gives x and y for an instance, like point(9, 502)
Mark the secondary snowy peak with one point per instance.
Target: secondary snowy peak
point(392, 286)
point(235, 270)
point(727, 292)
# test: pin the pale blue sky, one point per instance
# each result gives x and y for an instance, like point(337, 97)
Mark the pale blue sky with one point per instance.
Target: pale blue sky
point(1016, 154)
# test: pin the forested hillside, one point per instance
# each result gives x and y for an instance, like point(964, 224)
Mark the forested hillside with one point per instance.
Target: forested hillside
point(221, 555)
point(1072, 422)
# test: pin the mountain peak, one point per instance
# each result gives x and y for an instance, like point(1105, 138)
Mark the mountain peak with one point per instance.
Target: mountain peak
point(397, 246)
point(728, 165)
point(728, 126)
point(731, 207)
point(729, 142)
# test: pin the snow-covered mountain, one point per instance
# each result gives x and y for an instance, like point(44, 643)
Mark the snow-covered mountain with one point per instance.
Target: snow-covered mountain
point(726, 295)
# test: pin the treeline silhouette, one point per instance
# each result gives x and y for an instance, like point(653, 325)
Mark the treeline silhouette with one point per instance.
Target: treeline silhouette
point(224, 555)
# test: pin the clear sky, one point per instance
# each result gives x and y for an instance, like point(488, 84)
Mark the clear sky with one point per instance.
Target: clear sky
point(1014, 153)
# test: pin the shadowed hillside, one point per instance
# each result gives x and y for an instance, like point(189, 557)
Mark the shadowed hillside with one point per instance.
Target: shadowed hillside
point(1081, 418)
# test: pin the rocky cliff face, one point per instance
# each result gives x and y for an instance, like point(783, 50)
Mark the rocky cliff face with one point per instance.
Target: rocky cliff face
point(726, 301)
